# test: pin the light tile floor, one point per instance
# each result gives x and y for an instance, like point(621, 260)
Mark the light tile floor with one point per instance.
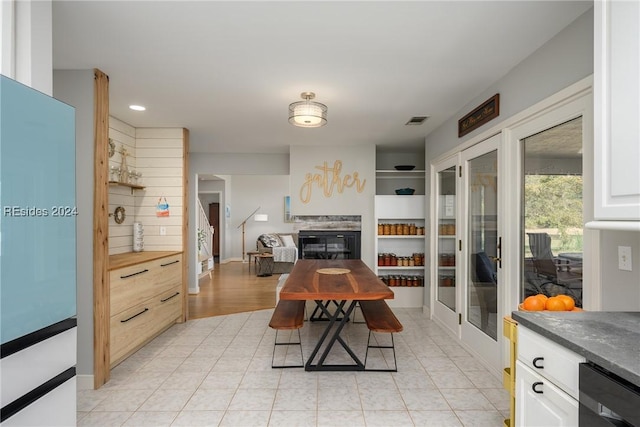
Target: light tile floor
point(217, 372)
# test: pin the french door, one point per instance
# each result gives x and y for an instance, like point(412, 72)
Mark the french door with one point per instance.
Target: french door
point(445, 244)
point(467, 247)
point(481, 250)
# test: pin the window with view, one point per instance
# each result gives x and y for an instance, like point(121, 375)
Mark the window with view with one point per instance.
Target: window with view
point(552, 216)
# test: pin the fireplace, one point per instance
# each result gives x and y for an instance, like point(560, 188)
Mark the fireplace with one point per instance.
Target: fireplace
point(324, 244)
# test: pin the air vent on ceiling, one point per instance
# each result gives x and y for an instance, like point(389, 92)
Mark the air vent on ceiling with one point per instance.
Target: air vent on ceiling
point(417, 120)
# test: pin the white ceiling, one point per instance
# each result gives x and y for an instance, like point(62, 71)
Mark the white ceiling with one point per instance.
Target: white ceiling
point(227, 71)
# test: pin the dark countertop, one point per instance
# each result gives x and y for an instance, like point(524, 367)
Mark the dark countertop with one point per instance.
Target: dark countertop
point(608, 339)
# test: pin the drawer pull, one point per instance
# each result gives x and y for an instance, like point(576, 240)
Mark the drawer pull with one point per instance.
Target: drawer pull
point(536, 384)
point(134, 274)
point(535, 362)
point(169, 263)
point(168, 298)
point(135, 315)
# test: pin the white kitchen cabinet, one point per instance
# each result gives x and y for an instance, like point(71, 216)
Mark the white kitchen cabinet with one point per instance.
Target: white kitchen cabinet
point(401, 213)
point(540, 403)
point(546, 382)
point(616, 109)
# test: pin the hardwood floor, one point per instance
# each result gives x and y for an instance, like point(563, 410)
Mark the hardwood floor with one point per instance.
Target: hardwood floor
point(233, 289)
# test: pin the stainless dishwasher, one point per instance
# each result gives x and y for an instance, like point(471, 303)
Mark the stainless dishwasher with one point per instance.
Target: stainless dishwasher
point(606, 399)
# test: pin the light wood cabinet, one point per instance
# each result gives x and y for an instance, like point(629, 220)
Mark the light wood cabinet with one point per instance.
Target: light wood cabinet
point(146, 297)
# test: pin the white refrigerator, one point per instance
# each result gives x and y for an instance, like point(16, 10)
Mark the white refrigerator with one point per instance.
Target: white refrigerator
point(37, 258)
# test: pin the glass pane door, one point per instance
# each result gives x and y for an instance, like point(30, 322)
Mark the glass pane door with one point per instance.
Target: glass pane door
point(446, 259)
point(483, 247)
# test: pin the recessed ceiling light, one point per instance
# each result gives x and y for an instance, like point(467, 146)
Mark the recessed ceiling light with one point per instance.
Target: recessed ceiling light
point(137, 107)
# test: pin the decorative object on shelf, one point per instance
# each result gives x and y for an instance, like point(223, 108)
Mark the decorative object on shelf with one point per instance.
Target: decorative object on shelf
point(138, 237)
point(405, 229)
point(112, 147)
point(119, 215)
point(162, 207)
point(307, 113)
point(405, 191)
point(115, 173)
point(489, 110)
point(124, 171)
point(405, 167)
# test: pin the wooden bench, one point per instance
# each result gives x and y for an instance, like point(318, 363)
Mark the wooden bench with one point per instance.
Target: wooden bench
point(380, 318)
point(288, 315)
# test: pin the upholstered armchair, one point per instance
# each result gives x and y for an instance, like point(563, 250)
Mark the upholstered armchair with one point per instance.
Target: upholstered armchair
point(284, 248)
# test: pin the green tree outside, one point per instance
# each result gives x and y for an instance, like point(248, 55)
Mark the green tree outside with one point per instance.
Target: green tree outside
point(555, 202)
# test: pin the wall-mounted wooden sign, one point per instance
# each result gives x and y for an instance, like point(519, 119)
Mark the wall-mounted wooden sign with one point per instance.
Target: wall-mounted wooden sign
point(489, 110)
point(328, 180)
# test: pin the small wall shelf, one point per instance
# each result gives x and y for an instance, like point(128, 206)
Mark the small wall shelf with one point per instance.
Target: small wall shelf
point(126, 184)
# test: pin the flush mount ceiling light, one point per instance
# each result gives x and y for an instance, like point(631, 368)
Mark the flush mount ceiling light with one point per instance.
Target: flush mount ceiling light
point(307, 113)
point(137, 107)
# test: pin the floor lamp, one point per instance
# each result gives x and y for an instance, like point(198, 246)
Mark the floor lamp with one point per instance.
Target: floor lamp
point(259, 217)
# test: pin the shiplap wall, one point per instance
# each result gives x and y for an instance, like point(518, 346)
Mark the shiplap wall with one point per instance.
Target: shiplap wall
point(159, 156)
point(157, 153)
point(121, 235)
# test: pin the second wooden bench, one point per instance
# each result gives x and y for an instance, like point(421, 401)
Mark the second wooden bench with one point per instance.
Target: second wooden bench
point(380, 318)
point(288, 315)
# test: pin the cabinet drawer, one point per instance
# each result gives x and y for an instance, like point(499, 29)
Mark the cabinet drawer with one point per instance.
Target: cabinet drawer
point(540, 403)
point(133, 327)
point(552, 361)
point(132, 285)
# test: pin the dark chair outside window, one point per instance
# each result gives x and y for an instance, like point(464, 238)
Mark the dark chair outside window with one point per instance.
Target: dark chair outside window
point(553, 275)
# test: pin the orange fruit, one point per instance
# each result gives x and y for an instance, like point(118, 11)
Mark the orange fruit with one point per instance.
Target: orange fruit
point(569, 303)
point(533, 303)
point(543, 297)
point(555, 304)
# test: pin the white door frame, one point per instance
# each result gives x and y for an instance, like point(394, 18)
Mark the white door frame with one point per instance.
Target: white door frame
point(444, 314)
point(483, 345)
point(573, 101)
point(580, 107)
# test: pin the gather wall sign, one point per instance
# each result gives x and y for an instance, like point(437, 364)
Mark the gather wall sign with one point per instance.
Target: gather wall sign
point(329, 179)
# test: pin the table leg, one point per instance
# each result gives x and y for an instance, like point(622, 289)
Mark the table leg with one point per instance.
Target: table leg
point(317, 317)
point(333, 318)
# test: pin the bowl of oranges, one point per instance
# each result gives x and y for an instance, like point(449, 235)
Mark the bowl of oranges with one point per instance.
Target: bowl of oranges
point(541, 302)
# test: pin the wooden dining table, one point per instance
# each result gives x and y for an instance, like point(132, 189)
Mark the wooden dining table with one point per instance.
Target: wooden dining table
point(345, 281)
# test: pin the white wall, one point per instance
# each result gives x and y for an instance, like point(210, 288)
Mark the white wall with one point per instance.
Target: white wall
point(564, 60)
point(248, 192)
point(620, 289)
point(159, 156)
point(75, 87)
